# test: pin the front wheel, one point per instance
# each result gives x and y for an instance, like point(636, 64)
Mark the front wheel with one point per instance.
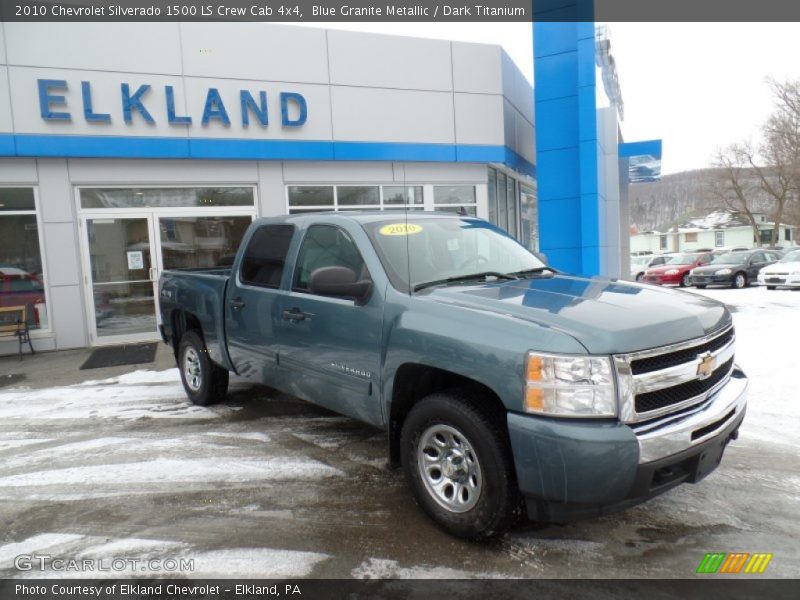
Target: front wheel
point(459, 466)
point(700, 287)
point(204, 382)
point(740, 281)
point(772, 287)
point(685, 280)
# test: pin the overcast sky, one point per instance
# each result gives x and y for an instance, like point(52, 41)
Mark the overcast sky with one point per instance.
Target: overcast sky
point(697, 86)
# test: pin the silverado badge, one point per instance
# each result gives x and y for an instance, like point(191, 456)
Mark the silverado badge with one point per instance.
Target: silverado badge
point(706, 366)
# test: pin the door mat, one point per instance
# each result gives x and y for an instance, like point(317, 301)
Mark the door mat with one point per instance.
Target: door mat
point(116, 356)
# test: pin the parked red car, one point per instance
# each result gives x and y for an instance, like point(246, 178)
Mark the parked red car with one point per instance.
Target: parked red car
point(20, 288)
point(676, 270)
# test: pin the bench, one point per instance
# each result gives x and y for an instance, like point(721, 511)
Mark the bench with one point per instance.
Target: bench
point(14, 323)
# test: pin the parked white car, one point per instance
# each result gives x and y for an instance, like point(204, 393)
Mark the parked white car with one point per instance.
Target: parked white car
point(784, 273)
point(640, 264)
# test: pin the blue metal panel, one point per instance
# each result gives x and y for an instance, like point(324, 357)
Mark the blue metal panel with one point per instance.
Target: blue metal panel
point(7, 145)
point(556, 74)
point(565, 210)
point(566, 138)
point(214, 148)
point(479, 153)
point(394, 151)
point(101, 146)
point(644, 147)
point(260, 149)
point(561, 116)
point(557, 177)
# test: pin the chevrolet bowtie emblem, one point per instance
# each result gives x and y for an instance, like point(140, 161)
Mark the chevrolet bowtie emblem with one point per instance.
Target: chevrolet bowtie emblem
point(706, 366)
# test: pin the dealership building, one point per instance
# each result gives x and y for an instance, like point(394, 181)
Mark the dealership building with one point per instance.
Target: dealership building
point(127, 149)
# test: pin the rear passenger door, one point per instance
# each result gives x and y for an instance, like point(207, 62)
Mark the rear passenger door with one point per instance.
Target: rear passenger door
point(330, 347)
point(251, 303)
point(757, 262)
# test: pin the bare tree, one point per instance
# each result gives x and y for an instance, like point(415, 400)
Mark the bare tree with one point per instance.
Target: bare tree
point(779, 174)
point(732, 184)
point(772, 169)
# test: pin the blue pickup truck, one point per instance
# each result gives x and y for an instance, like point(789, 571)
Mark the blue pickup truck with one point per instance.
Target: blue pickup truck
point(507, 388)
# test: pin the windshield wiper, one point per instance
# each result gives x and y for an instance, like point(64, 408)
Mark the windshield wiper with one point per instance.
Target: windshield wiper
point(535, 271)
point(484, 275)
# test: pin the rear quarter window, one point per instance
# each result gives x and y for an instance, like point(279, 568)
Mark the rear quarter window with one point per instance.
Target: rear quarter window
point(265, 256)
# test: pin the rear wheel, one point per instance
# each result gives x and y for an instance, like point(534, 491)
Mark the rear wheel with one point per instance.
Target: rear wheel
point(459, 466)
point(739, 281)
point(204, 382)
point(639, 276)
point(771, 287)
point(700, 287)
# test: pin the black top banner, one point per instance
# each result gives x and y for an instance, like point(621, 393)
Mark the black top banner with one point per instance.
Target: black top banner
point(292, 11)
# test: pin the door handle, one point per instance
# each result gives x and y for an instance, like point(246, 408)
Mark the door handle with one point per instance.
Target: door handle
point(294, 315)
point(237, 303)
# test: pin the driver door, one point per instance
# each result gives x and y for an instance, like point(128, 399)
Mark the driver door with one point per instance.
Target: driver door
point(330, 347)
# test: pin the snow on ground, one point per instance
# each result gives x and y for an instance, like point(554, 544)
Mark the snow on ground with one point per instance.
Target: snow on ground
point(153, 394)
point(381, 568)
point(200, 470)
point(767, 326)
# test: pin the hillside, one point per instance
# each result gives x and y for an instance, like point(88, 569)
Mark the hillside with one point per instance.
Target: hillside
point(662, 204)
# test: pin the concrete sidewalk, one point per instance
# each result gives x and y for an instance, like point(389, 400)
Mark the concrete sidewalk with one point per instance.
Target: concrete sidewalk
point(48, 369)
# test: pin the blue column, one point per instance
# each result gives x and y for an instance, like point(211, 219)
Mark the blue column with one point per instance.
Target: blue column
point(570, 219)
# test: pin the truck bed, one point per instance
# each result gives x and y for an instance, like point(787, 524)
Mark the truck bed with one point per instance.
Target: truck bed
point(201, 292)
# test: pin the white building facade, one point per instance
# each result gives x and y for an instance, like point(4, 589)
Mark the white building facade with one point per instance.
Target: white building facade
point(127, 149)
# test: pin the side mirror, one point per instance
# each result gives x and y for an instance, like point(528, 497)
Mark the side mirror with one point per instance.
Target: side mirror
point(340, 282)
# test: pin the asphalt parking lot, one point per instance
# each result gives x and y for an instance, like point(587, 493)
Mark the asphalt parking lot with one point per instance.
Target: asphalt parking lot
point(116, 463)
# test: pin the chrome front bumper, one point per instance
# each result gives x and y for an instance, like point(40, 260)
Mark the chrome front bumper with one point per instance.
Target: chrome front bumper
point(675, 433)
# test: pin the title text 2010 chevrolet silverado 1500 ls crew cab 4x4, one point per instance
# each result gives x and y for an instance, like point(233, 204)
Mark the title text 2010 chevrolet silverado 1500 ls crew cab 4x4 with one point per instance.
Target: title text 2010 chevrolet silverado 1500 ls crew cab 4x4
point(504, 386)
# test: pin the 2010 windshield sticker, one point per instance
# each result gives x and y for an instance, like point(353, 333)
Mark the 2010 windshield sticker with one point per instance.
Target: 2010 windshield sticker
point(400, 229)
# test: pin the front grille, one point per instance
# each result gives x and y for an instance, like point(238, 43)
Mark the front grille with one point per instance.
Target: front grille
point(679, 357)
point(657, 399)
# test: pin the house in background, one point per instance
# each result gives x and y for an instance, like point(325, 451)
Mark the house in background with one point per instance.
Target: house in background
point(722, 228)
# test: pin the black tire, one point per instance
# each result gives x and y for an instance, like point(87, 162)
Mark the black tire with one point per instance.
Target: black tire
point(498, 503)
point(772, 287)
point(685, 280)
point(639, 276)
point(699, 287)
point(209, 383)
point(739, 281)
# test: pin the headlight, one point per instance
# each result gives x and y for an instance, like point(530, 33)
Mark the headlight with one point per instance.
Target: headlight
point(671, 272)
point(569, 386)
point(725, 271)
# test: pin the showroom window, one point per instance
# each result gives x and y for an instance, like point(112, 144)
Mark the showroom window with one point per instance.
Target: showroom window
point(317, 198)
point(22, 280)
point(512, 206)
point(178, 197)
point(455, 198)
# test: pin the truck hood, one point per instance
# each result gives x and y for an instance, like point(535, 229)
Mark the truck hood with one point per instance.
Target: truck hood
point(605, 316)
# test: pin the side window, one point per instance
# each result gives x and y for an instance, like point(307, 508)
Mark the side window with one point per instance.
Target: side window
point(326, 246)
point(758, 257)
point(265, 256)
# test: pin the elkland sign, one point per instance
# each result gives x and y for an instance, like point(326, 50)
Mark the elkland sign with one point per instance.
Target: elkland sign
point(135, 105)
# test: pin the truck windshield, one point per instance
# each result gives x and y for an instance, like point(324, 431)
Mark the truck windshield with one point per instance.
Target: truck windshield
point(418, 252)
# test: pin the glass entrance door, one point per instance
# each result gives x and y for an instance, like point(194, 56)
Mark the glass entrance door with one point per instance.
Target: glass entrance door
point(122, 277)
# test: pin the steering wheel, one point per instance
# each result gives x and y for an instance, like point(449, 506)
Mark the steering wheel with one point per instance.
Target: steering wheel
point(477, 258)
